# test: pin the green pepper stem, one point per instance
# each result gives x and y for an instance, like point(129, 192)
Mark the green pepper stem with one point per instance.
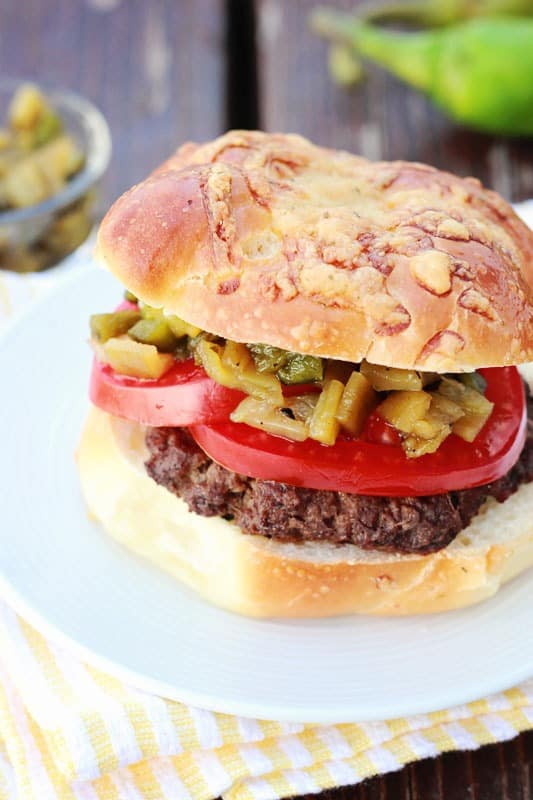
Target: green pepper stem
point(410, 56)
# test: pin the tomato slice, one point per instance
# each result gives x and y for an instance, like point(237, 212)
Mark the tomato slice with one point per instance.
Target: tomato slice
point(360, 466)
point(182, 396)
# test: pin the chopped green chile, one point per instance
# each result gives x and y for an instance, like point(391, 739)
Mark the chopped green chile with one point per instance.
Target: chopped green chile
point(302, 369)
point(473, 380)
point(453, 403)
point(176, 325)
point(149, 312)
point(290, 368)
point(154, 331)
point(268, 358)
point(195, 341)
point(117, 323)
point(48, 127)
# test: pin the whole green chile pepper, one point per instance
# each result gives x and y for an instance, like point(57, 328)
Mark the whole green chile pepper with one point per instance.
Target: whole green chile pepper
point(480, 71)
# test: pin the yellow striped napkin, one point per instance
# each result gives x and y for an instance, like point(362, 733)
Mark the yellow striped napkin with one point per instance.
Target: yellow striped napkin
point(69, 730)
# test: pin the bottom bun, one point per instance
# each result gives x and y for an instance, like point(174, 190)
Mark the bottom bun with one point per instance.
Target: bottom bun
point(260, 577)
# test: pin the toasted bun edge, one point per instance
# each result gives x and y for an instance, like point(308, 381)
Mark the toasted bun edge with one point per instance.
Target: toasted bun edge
point(268, 238)
point(258, 577)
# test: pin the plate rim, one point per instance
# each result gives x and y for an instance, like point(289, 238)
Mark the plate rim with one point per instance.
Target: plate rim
point(243, 708)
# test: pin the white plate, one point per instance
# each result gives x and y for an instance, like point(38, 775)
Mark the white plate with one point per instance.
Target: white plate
point(77, 586)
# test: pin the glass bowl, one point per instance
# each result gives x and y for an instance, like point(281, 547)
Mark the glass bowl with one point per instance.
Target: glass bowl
point(39, 236)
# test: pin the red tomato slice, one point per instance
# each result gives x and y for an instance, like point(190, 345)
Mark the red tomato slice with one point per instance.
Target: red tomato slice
point(182, 396)
point(359, 466)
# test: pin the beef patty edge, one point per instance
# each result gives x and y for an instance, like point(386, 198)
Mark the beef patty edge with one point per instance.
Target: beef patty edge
point(420, 525)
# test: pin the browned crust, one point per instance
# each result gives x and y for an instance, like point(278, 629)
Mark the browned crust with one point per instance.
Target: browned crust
point(266, 237)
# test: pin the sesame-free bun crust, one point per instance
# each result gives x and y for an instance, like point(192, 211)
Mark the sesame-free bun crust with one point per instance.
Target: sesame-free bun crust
point(259, 577)
point(268, 238)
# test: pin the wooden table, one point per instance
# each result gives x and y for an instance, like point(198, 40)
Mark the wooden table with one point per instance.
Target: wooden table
point(163, 71)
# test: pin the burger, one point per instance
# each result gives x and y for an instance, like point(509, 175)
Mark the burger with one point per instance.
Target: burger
point(309, 401)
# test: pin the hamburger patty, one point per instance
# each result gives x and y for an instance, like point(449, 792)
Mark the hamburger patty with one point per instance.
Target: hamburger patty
point(293, 514)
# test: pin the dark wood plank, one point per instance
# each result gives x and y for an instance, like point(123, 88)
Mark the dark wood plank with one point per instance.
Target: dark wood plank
point(426, 780)
point(496, 772)
point(381, 118)
point(156, 68)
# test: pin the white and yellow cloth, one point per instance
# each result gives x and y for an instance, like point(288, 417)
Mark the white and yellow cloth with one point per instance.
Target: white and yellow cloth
point(69, 730)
